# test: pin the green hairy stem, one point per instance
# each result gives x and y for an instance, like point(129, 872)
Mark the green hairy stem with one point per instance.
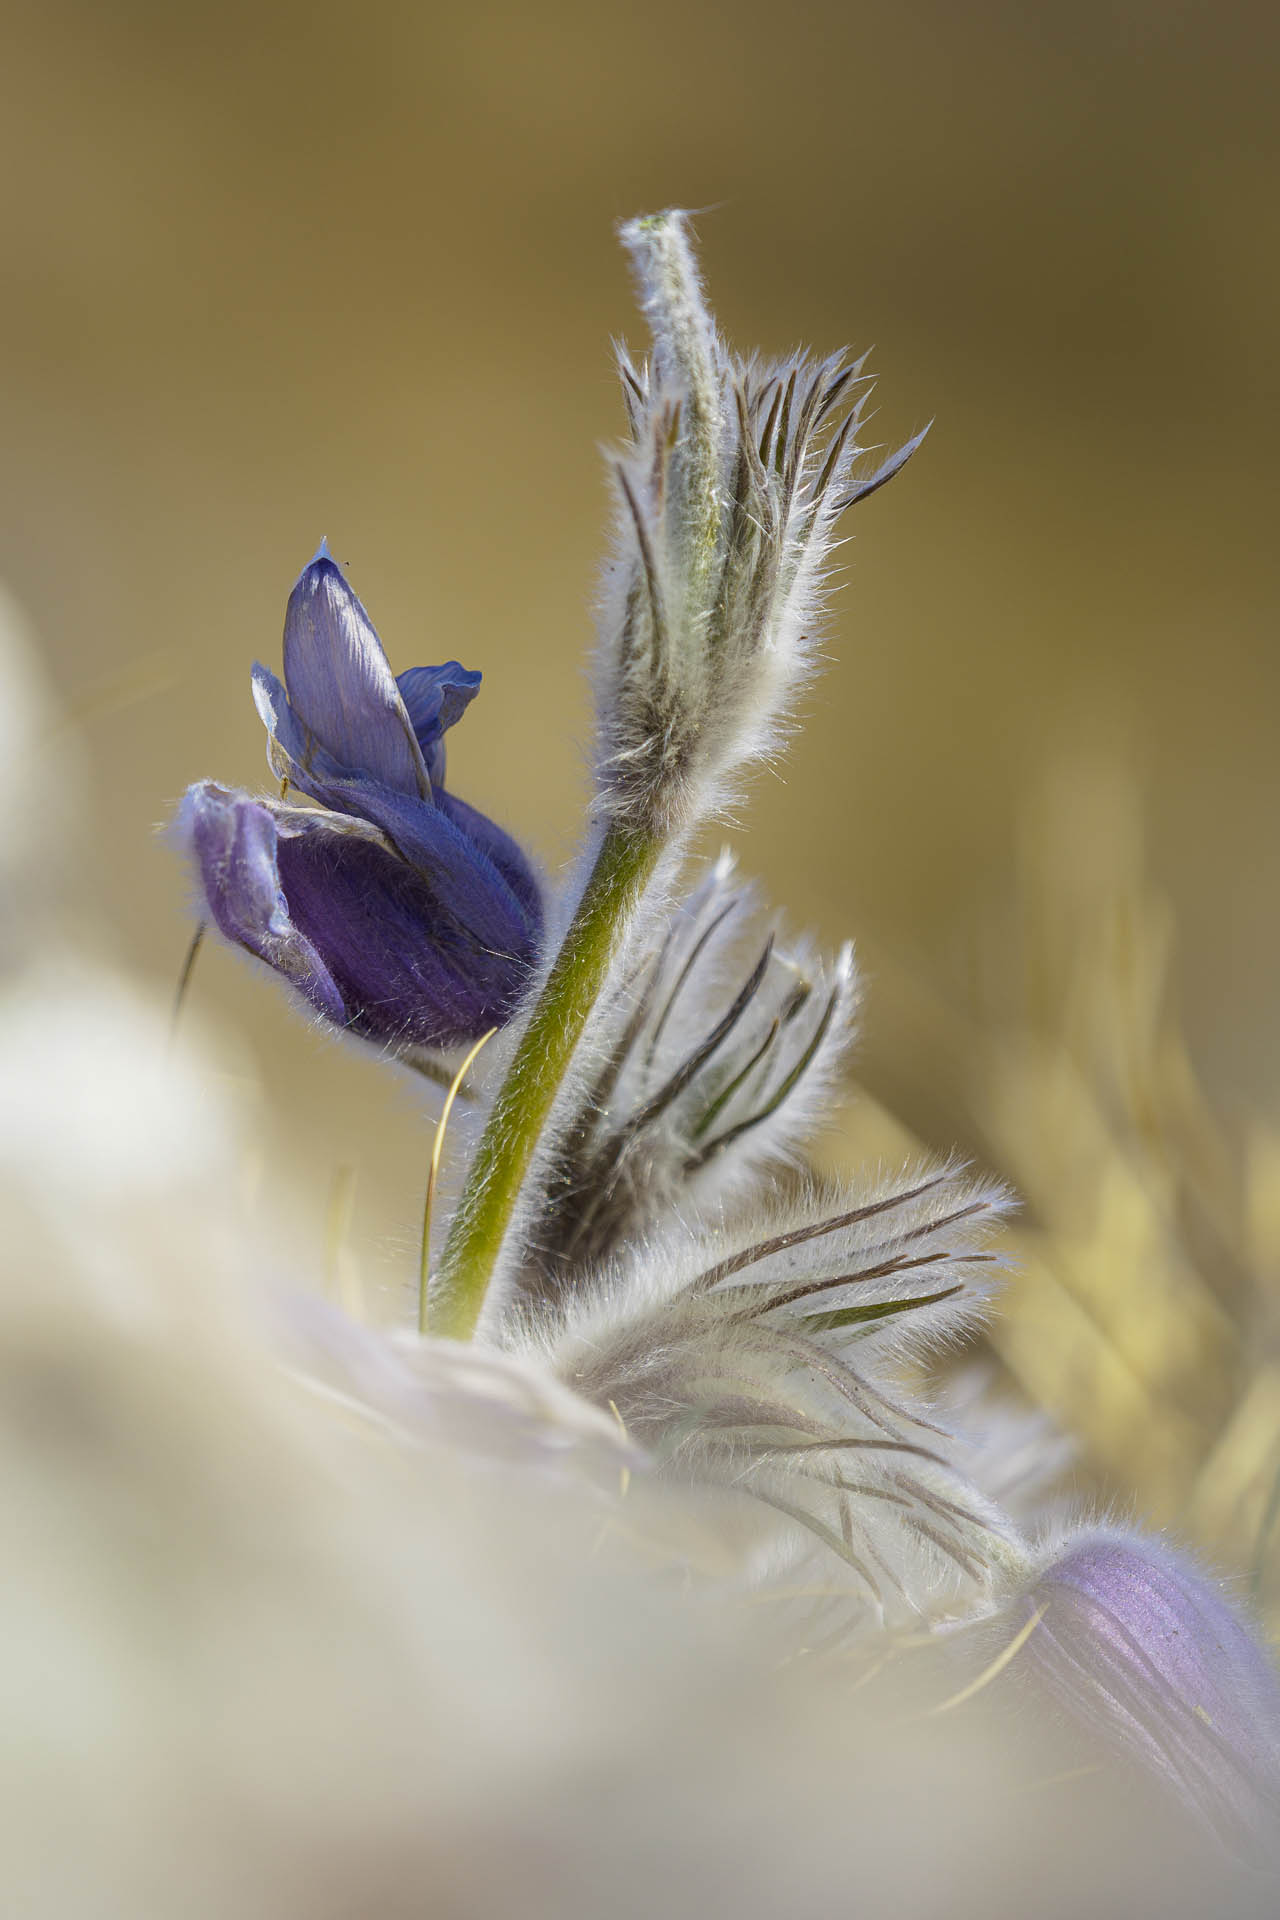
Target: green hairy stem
point(686, 368)
point(624, 865)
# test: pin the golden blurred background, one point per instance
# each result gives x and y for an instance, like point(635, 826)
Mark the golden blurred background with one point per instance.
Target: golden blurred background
point(273, 272)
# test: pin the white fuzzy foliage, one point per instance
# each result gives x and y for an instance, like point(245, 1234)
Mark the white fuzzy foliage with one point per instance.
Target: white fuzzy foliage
point(762, 1358)
point(488, 1403)
point(729, 495)
point(723, 1046)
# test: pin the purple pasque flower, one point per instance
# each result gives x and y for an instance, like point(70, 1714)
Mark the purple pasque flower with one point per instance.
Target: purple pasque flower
point(1142, 1646)
point(397, 910)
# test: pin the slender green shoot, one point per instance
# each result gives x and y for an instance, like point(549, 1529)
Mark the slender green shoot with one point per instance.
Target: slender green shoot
point(626, 861)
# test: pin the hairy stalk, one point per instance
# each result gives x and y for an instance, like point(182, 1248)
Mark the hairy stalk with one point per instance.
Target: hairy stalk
point(686, 362)
point(625, 863)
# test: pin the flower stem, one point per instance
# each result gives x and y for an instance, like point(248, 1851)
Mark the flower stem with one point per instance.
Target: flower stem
point(624, 865)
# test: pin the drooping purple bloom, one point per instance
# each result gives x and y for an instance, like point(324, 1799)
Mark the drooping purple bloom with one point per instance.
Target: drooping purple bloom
point(396, 910)
point(1143, 1647)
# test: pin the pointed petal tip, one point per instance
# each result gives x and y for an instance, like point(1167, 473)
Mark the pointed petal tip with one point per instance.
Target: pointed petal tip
point(340, 687)
point(321, 564)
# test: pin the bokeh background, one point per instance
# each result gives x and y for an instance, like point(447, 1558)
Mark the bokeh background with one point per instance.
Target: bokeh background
point(272, 272)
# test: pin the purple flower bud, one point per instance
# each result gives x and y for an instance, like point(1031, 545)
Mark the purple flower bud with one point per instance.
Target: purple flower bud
point(397, 910)
point(1143, 1646)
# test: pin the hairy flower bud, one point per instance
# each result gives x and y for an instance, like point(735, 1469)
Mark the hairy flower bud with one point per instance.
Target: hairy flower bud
point(729, 496)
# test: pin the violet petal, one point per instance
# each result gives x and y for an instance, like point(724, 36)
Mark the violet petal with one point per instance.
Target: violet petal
point(453, 859)
point(1142, 1645)
point(340, 684)
point(234, 844)
point(435, 699)
point(410, 972)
